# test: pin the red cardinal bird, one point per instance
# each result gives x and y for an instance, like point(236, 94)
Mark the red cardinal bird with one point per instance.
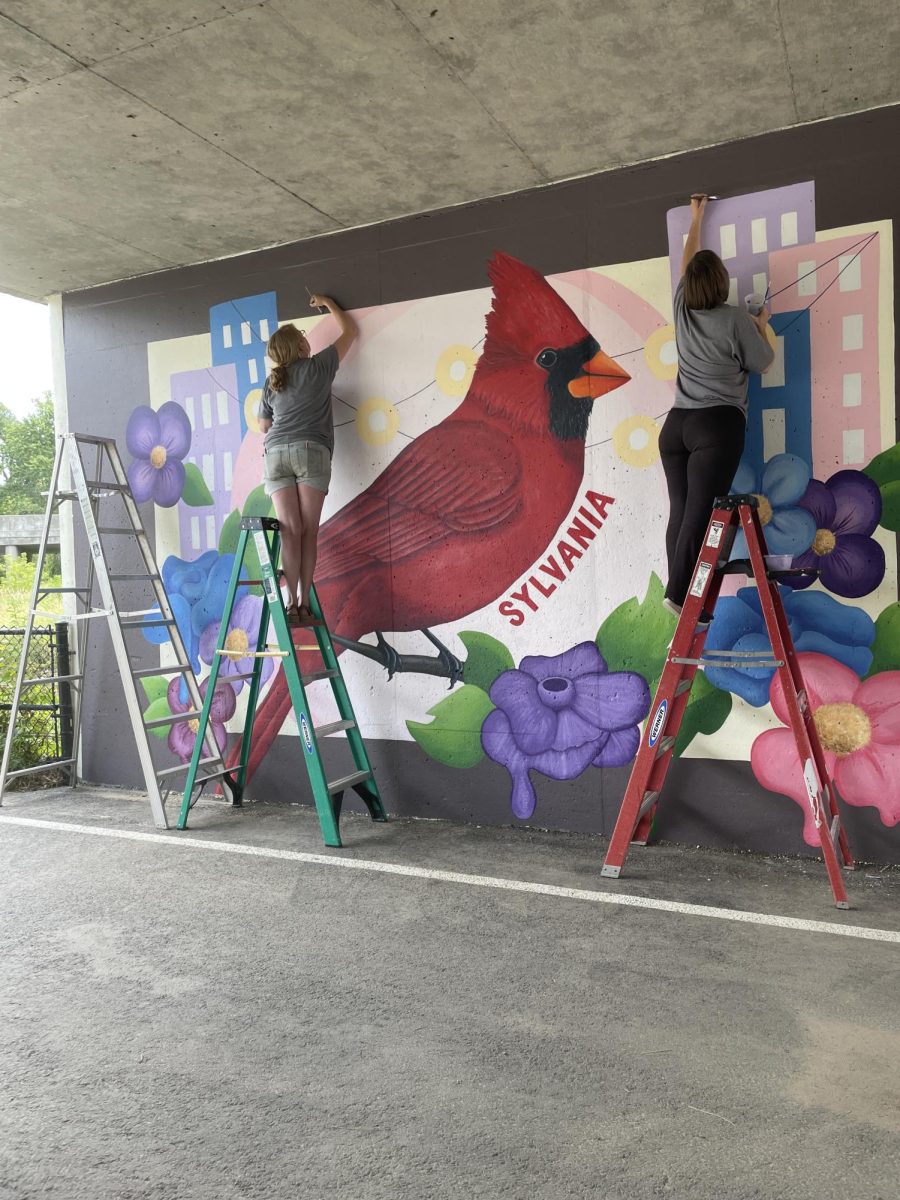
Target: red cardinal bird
point(465, 509)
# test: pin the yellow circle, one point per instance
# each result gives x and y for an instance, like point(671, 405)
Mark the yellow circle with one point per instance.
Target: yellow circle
point(455, 369)
point(636, 441)
point(661, 353)
point(251, 404)
point(377, 421)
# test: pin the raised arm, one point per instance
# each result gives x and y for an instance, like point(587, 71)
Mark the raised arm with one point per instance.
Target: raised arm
point(692, 245)
point(348, 327)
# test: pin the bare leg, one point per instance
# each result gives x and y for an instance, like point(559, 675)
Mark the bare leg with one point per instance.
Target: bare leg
point(310, 501)
point(287, 509)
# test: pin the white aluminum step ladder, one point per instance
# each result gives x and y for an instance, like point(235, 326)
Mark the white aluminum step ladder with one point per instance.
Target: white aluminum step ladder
point(108, 510)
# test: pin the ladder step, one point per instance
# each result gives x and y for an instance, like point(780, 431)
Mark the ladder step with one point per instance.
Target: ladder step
point(143, 623)
point(650, 798)
point(102, 486)
point(346, 781)
point(46, 591)
point(47, 766)
point(139, 575)
point(204, 762)
point(50, 679)
point(684, 686)
point(116, 529)
point(173, 719)
point(665, 745)
point(331, 727)
point(314, 675)
point(198, 779)
point(835, 833)
point(148, 672)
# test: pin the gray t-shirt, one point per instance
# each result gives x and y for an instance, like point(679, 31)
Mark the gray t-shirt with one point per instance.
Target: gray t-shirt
point(302, 412)
point(717, 347)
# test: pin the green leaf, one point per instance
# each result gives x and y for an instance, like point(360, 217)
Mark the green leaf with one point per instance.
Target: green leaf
point(885, 467)
point(195, 493)
point(886, 647)
point(707, 711)
point(258, 504)
point(155, 686)
point(636, 635)
point(454, 736)
point(487, 658)
point(159, 708)
point(890, 505)
point(228, 538)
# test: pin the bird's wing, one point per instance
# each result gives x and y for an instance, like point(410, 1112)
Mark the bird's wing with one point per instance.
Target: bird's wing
point(459, 477)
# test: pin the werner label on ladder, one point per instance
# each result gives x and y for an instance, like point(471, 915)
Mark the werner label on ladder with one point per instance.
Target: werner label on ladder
point(687, 654)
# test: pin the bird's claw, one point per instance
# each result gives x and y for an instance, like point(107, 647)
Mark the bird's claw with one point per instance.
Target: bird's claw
point(447, 659)
point(389, 657)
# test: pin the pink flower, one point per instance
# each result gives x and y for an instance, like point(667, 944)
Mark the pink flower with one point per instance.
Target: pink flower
point(858, 723)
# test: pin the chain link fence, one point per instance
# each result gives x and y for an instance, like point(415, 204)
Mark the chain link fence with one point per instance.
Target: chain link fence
point(43, 731)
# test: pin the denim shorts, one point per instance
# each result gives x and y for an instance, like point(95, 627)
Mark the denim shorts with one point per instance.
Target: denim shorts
point(287, 465)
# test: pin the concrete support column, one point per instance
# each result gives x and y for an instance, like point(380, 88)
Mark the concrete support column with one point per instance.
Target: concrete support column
point(11, 551)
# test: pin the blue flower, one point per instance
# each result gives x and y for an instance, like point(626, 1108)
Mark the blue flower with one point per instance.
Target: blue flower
point(818, 623)
point(788, 528)
point(197, 592)
point(561, 714)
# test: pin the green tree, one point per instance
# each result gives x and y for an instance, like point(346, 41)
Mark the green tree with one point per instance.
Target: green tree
point(27, 447)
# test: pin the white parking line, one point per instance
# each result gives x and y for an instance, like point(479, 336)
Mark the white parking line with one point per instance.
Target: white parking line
point(185, 841)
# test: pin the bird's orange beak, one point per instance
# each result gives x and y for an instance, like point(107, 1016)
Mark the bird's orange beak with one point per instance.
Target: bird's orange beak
point(601, 375)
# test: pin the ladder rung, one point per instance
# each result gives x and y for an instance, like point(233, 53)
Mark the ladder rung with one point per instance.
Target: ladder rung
point(835, 832)
point(173, 718)
point(213, 775)
point(47, 766)
point(139, 575)
point(650, 798)
point(684, 686)
point(143, 624)
point(346, 781)
point(331, 727)
point(314, 675)
point(46, 591)
point(665, 745)
point(50, 679)
point(116, 529)
point(100, 485)
point(204, 762)
point(242, 675)
point(147, 672)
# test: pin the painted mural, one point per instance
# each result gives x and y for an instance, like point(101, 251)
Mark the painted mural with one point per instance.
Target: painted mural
point(492, 545)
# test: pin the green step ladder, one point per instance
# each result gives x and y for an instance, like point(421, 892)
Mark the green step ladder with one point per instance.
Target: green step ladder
point(263, 534)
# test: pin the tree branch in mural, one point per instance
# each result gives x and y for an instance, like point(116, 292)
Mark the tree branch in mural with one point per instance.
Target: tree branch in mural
point(444, 664)
point(465, 510)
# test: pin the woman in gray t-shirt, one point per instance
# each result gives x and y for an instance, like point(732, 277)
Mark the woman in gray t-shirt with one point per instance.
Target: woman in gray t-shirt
point(295, 415)
point(702, 439)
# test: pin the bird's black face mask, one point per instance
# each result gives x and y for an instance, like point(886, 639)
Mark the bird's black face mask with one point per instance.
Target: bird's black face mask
point(569, 415)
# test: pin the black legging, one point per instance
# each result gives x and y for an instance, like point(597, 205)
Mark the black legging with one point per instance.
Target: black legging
point(700, 450)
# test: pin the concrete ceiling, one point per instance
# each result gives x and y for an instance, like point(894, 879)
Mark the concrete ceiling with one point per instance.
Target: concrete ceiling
point(142, 134)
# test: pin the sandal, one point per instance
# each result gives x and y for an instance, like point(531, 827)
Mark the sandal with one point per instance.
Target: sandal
point(305, 616)
point(293, 616)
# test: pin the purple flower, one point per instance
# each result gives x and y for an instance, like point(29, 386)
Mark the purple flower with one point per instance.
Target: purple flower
point(183, 734)
point(846, 509)
point(158, 441)
point(240, 642)
point(559, 715)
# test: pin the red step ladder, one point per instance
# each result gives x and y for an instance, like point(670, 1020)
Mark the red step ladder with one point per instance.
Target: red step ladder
point(686, 654)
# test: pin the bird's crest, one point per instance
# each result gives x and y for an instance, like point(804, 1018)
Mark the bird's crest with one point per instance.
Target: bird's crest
point(527, 314)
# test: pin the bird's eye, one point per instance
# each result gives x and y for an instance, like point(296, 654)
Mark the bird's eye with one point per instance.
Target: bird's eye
point(547, 359)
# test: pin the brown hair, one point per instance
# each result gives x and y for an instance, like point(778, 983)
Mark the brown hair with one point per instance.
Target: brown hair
point(706, 281)
point(284, 348)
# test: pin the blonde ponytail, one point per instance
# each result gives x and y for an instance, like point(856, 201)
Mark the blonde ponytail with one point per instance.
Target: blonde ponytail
point(284, 348)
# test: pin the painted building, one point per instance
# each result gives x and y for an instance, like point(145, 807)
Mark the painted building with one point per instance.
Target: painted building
point(239, 330)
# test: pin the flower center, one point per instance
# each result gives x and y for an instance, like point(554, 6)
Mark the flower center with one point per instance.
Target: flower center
point(764, 509)
point(824, 542)
point(237, 644)
point(158, 457)
point(194, 726)
point(842, 728)
point(556, 692)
